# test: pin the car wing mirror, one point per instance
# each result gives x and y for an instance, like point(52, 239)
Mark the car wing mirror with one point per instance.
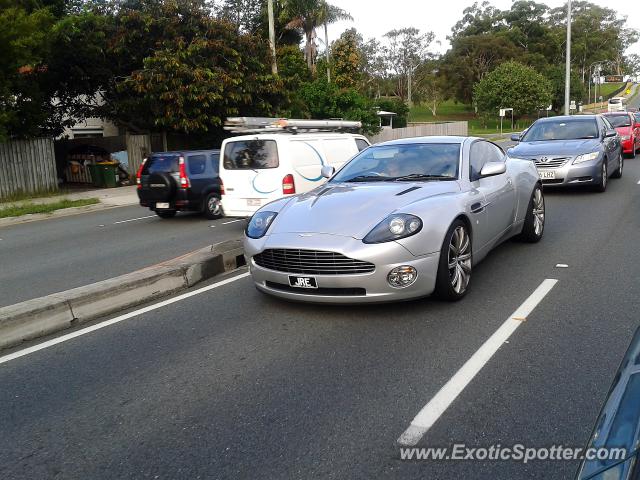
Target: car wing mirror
point(493, 168)
point(327, 171)
point(610, 133)
point(515, 137)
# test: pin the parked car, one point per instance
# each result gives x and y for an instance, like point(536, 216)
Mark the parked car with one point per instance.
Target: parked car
point(572, 150)
point(263, 167)
point(628, 129)
point(618, 425)
point(617, 104)
point(403, 219)
point(169, 182)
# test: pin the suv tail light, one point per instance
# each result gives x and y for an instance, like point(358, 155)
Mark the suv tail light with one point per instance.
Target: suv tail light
point(139, 174)
point(184, 180)
point(221, 187)
point(288, 185)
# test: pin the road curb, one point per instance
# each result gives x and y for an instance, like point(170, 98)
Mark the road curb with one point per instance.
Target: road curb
point(42, 316)
point(63, 212)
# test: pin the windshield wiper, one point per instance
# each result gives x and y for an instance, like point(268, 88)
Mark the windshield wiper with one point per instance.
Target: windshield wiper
point(422, 176)
point(367, 178)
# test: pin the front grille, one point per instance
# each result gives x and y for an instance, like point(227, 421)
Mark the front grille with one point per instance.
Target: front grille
point(333, 292)
point(310, 262)
point(550, 162)
point(552, 181)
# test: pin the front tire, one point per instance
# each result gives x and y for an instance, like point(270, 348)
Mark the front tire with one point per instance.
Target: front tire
point(618, 172)
point(533, 227)
point(212, 207)
point(604, 178)
point(455, 265)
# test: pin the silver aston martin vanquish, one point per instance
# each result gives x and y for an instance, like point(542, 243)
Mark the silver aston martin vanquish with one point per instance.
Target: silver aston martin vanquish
point(402, 219)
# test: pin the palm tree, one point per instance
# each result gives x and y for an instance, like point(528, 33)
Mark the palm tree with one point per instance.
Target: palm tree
point(307, 15)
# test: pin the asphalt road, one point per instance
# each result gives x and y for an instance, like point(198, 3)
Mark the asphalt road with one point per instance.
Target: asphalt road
point(231, 384)
point(52, 255)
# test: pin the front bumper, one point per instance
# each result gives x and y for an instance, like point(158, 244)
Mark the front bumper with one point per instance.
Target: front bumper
point(348, 288)
point(587, 173)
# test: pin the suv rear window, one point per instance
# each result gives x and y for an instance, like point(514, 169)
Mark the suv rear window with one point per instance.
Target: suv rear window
point(251, 155)
point(161, 164)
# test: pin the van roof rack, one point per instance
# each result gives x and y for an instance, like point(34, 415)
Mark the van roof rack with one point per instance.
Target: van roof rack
point(287, 125)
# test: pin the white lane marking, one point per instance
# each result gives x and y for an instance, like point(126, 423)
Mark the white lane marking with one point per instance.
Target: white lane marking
point(562, 265)
point(133, 219)
point(212, 226)
point(121, 318)
point(638, 182)
point(433, 410)
point(233, 221)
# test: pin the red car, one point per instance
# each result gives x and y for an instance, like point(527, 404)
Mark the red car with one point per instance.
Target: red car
point(628, 127)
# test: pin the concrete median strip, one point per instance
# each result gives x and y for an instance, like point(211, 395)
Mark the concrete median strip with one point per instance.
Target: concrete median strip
point(45, 315)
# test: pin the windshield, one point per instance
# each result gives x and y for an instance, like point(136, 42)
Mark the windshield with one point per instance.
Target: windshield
point(619, 120)
point(573, 129)
point(422, 161)
point(615, 101)
point(251, 155)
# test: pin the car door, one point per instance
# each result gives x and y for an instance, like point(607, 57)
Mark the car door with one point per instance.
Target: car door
point(610, 144)
point(498, 190)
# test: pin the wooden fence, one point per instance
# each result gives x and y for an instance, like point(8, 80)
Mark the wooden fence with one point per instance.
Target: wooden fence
point(422, 130)
point(27, 166)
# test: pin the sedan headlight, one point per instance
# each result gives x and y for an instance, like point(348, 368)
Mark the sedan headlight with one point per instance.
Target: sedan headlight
point(259, 224)
point(586, 157)
point(394, 227)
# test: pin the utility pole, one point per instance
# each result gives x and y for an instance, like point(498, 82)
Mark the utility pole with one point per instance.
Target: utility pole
point(272, 38)
point(567, 73)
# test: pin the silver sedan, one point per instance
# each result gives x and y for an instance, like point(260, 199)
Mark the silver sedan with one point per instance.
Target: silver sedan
point(401, 220)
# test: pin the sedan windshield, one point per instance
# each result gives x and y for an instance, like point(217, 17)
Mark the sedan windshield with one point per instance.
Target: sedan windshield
point(412, 162)
point(619, 120)
point(576, 128)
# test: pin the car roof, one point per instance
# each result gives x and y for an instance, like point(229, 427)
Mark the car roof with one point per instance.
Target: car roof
point(295, 136)
point(186, 152)
point(435, 139)
point(565, 118)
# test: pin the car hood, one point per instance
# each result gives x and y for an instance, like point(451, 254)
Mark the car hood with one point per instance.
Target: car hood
point(554, 147)
point(353, 209)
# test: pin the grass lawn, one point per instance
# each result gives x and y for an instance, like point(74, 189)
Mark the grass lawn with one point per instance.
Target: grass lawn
point(607, 89)
point(27, 208)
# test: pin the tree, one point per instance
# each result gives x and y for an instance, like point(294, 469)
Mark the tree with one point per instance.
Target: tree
point(430, 85)
point(307, 15)
point(406, 49)
point(347, 60)
point(513, 85)
point(245, 14)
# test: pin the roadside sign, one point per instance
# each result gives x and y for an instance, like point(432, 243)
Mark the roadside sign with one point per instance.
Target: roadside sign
point(628, 92)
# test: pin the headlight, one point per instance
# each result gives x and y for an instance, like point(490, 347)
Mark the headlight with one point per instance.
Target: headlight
point(394, 227)
point(586, 157)
point(626, 137)
point(259, 224)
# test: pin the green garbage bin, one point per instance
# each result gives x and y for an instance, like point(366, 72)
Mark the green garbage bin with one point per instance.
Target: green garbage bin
point(108, 172)
point(96, 175)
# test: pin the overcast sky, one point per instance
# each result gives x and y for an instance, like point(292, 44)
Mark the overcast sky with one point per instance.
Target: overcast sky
point(373, 18)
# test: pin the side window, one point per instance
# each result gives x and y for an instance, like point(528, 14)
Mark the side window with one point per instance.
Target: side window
point(361, 144)
point(215, 162)
point(197, 164)
point(482, 152)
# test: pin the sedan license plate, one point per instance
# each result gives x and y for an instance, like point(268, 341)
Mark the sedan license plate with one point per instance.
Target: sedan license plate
point(547, 174)
point(302, 282)
point(162, 205)
point(254, 202)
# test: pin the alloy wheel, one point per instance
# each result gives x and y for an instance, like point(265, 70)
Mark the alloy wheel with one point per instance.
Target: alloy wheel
point(538, 212)
point(213, 205)
point(459, 259)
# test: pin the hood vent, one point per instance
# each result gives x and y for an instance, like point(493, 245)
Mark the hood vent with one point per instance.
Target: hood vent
point(407, 191)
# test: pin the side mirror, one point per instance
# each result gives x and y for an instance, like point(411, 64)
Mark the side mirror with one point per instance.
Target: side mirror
point(327, 171)
point(493, 168)
point(515, 137)
point(610, 133)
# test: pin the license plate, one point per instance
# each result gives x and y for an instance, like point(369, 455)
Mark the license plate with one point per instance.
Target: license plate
point(547, 174)
point(302, 282)
point(254, 202)
point(162, 205)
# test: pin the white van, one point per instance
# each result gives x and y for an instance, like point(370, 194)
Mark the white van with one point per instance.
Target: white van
point(617, 104)
point(257, 169)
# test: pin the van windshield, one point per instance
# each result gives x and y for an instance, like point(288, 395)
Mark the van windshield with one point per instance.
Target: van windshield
point(614, 101)
point(251, 155)
point(159, 163)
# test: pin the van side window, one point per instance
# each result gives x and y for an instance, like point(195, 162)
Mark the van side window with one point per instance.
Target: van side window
point(197, 164)
point(215, 162)
point(361, 144)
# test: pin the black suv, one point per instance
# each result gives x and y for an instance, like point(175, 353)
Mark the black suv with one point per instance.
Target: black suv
point(173, 181)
